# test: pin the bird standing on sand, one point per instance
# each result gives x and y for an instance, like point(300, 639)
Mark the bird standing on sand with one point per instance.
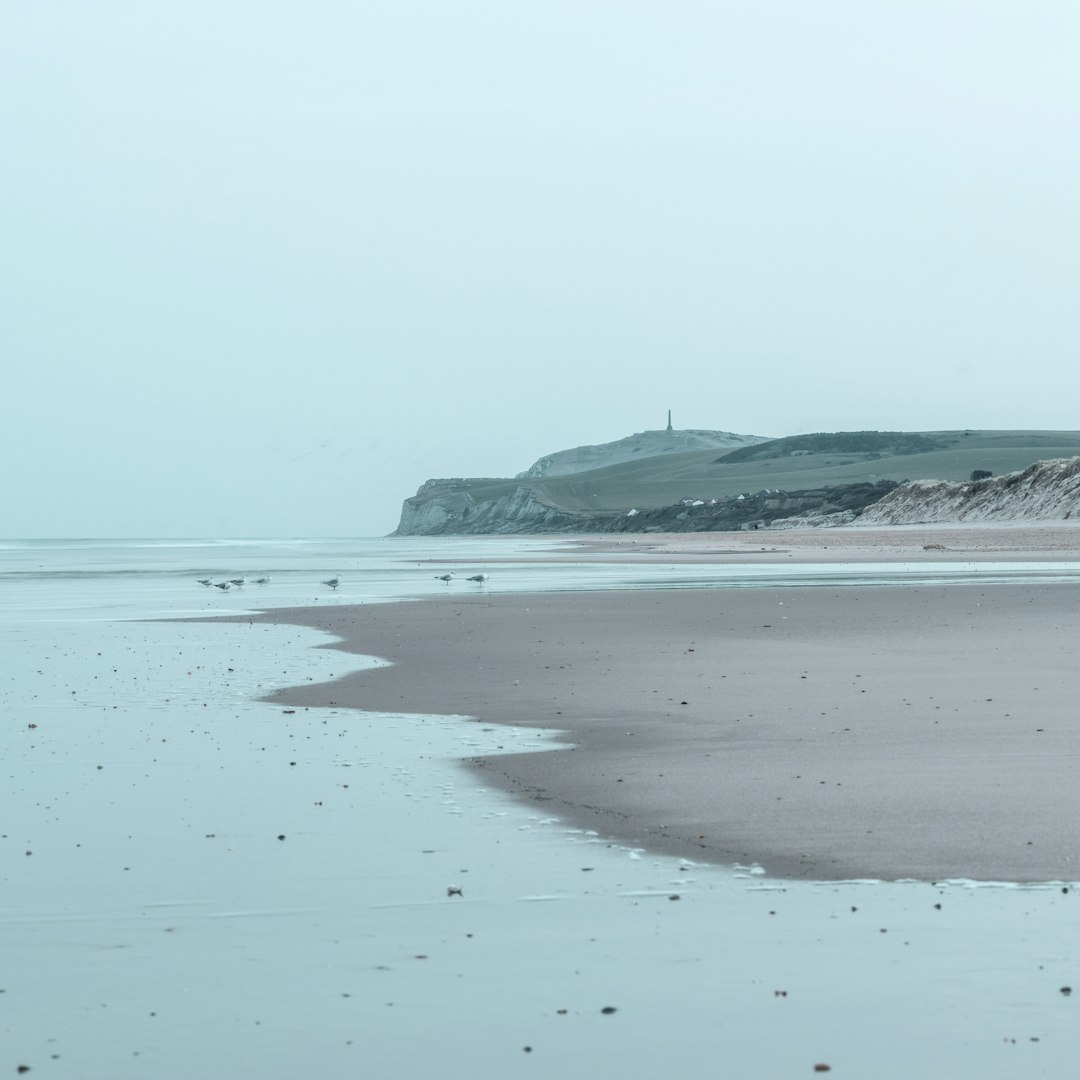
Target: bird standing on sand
point(481, 578)
point(238, 581)
point(445, 577)
point(224, 586)
point(206, 581)
point(264, 580)
point(333, 582)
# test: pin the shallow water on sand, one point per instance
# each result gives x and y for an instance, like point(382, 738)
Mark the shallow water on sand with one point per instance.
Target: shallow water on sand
point(198, 883)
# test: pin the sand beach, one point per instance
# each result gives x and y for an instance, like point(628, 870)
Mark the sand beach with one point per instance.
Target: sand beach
point(925, 732)
point(1020, 541)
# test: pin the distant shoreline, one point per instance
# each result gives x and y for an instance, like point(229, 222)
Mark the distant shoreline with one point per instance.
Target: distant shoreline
point(1020, 541)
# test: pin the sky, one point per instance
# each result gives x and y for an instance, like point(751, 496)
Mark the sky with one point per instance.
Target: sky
point(266, 267)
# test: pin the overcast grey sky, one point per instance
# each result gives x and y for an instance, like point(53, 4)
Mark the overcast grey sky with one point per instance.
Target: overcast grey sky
point(265, 267)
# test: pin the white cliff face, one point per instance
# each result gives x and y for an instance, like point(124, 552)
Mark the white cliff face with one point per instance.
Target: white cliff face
point(1044, 491)
point(443, 507)
point(642, 445)
point(436, 508)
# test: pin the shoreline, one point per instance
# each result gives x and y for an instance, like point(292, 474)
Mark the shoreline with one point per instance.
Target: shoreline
point(922, 732)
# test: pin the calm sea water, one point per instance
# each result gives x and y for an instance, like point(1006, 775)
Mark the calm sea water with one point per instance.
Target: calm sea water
point(196, 883)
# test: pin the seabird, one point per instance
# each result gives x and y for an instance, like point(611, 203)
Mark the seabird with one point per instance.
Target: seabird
point(264, 580)
point(334, 582)
point(224, 586)
point(445, 577)
point(479, 577)
point(238, 580)
point(206, 581)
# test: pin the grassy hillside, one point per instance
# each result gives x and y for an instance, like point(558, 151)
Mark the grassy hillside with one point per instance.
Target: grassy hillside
point(661, 481)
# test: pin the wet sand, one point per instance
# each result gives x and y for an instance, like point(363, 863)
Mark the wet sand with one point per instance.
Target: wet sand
point(824, 733)
point(197, 883)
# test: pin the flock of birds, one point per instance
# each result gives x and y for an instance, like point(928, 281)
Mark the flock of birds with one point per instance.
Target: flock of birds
point(230, 583)
point(240, 582)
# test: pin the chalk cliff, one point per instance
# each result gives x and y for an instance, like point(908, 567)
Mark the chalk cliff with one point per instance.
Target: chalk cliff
point(449, 507)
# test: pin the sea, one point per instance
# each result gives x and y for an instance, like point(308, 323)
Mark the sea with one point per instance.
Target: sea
point(196, 883)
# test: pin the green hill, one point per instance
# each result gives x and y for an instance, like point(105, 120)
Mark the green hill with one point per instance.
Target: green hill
point(944, 455)
point(795, 463)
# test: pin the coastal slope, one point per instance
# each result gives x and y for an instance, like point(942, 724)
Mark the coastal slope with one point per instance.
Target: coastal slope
point(1044, 491)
